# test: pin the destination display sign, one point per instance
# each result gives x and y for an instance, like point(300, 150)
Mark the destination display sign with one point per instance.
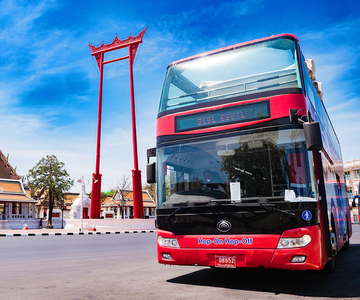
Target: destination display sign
point(224, 116)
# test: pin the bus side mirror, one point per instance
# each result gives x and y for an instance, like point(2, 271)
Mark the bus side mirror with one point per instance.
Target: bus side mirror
point(151, 167)
point(150, 173)
point(151, 153)
point(293, 115)
point(312, 136)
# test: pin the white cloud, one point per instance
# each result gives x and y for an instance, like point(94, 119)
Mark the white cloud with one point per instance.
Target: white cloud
point(337, 55)
point(20, 16)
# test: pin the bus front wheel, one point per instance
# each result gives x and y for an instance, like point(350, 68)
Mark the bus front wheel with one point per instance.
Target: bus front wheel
point(330, 265)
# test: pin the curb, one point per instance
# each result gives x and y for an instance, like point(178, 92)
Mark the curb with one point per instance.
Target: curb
point(76, 233)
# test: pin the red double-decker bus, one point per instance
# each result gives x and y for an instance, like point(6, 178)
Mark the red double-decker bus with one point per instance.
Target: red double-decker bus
point(248, 167)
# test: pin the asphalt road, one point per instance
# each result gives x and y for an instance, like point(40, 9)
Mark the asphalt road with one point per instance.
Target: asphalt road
point(125, 267)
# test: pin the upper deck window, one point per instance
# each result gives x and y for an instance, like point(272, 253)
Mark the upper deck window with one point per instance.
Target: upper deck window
point(270, 65)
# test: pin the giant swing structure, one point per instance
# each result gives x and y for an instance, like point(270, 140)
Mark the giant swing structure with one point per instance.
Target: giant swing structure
point(132, 44)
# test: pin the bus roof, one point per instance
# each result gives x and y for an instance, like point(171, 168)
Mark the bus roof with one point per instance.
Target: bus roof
point(233, 47)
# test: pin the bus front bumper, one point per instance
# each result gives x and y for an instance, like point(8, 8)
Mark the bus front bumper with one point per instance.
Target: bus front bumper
point(241, 251)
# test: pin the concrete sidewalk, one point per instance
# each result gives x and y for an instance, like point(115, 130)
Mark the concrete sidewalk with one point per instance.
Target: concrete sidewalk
point(101, 226)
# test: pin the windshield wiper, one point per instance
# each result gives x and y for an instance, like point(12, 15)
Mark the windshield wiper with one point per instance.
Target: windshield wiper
point(176, 210)
point(266, 207)
point(222, 201)
point(271, 208)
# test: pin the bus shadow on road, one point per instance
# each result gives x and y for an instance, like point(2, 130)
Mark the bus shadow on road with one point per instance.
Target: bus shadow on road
point(343, 283)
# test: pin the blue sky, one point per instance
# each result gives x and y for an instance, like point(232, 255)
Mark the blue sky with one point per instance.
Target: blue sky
point(49, 81)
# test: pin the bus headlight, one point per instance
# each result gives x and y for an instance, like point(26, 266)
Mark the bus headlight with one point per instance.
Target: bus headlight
point(168, 242)
point(294, 242)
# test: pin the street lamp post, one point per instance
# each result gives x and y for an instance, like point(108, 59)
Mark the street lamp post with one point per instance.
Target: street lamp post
point(82, 200)
point(115, 211)
point(62, 215)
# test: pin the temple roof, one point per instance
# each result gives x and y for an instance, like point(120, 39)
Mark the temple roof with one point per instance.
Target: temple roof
point(13, 191)
point(6, 170)
point(126, 199)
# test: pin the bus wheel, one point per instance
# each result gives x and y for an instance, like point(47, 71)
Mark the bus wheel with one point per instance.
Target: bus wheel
point(330, 265)
point(347, 243)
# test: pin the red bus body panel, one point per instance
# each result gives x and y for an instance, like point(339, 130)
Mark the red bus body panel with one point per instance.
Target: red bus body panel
point(250, 250)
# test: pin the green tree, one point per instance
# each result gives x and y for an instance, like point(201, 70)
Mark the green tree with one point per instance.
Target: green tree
point(103, 196)
point(151, 188)
point(49, 178)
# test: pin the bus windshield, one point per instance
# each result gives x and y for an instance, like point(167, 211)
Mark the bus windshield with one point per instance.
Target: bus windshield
point(274, 165)
point(269, 65)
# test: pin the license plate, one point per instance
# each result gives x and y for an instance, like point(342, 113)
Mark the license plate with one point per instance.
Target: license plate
point(225, 262)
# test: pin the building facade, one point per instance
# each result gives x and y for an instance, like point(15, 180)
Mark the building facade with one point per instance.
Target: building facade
point(121, 205)
point(352, 177)
point(16, 208)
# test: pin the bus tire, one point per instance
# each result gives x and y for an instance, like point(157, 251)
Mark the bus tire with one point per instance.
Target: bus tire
point(330, 265)
point(347, 243)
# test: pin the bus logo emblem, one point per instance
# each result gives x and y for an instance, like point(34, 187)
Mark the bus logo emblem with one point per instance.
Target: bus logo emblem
point(223, 226)
point(306, 215)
